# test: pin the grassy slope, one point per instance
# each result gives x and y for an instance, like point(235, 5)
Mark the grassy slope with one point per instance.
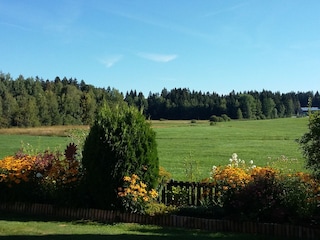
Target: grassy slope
point(263, 141)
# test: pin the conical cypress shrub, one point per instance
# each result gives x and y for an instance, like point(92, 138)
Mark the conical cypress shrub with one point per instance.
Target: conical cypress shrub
point(120, 143)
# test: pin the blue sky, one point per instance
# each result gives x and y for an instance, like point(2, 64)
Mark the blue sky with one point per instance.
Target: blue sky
point(146, 45)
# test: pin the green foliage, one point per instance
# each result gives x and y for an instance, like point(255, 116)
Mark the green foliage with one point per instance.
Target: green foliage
point(156, 209)
point(26, 102)
point(300, 193)
point(78, 136)
point(191, 166)
point(224, 118)
point(310, 144)
point(32, 102)
point(120, 143)
point(214, 118)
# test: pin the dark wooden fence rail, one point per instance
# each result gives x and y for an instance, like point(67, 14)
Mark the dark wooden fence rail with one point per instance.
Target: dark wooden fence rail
point(186, 193)
point(269, 229)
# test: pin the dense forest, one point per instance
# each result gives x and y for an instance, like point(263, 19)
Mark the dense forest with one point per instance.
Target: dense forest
point(26, 102)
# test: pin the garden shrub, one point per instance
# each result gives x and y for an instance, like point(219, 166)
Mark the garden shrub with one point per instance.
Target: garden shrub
point(59, 177)
point(134, 194)
point(120, 143)
point(264, 194)
point(310, 144)
point(229, 179)
point(259, 200)
point(16, 177)
point(46, 177)
point(205, 211)
point(301, 195)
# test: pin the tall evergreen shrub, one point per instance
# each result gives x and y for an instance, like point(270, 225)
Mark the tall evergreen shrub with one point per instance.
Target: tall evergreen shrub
point(310, 144)
point(120, 143)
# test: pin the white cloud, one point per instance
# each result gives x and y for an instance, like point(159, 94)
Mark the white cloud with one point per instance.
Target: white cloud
point(158, 57)
point(109, 61)
point(229, 9)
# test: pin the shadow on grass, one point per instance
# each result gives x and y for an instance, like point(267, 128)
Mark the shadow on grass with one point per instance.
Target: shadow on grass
point(131, 232)
point(150, 236)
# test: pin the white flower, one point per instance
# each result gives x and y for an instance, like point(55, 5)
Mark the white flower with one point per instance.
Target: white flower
point(214, 168)
point(251, 162)
point(234, 156)
point(38, 175)
point(243, 162)
point(254, 166)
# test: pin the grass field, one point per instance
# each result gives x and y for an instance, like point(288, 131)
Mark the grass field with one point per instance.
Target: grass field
point(266, 142)
point(194, 147)
point(28, 229)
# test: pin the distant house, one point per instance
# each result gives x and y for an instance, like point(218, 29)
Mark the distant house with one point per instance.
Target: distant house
point(305, 110)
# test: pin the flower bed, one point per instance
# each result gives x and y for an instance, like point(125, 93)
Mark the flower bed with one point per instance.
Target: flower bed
point(254, 196)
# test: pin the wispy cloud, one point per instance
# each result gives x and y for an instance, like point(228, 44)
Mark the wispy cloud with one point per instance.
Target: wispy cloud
point(157, 57)
point(229, 9)
point(20, 27)
point(110, 61)
point(161, 23)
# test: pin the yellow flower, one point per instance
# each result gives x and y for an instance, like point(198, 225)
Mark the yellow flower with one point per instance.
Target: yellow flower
point(153, 193)
point(143, 185)
point(145, 198)
point(135, 176)
point(126, 179)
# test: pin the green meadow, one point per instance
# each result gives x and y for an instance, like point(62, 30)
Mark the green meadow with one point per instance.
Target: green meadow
point(189, 150)
point(195, 148)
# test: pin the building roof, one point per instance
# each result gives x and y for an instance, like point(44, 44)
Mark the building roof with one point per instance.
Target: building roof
point(306, 109)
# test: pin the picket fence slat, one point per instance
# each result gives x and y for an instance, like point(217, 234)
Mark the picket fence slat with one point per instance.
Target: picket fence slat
point(193, 193)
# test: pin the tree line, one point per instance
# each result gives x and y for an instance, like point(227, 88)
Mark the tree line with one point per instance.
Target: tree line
point(28, 102)
point(181, 103)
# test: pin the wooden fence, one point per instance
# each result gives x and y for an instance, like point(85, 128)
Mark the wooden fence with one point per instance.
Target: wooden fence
point(186, 193)
point(269, 229)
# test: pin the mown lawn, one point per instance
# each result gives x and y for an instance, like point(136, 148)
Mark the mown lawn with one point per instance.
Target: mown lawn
point(195, 147)
point(30, 229)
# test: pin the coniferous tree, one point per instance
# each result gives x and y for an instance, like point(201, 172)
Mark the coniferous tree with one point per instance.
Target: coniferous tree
point(120, 143)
